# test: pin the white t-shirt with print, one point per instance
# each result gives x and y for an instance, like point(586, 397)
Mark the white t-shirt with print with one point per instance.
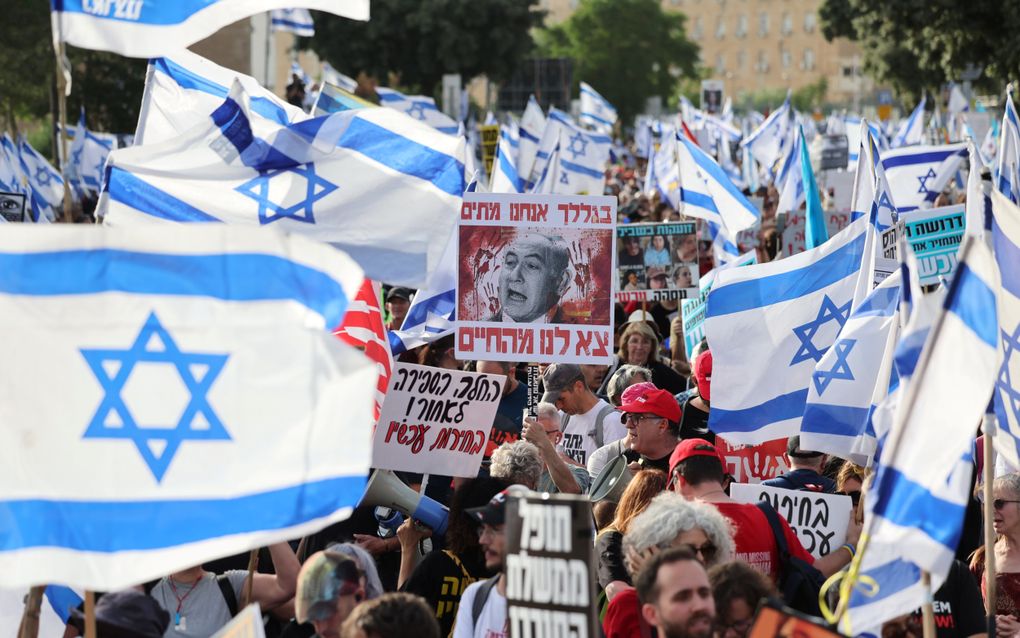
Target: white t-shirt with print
point(492, 622)
point(576, 442)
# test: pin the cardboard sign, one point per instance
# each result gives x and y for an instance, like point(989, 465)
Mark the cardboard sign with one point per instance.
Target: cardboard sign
point(753, 463)
point(890, 240)
point(534, 396)
point(436, 420)
point(935, 236)
point(692, 311)
point(819, 520)
point(247, 624)
point(794, 228)
point(657, 261)
point(490, 140)
point(550, 567)
point(12, 207)
point(535, 278)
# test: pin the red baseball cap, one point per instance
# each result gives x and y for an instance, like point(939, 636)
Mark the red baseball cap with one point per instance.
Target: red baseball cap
point(692, 447)
point(703, 374)
point(654, 401)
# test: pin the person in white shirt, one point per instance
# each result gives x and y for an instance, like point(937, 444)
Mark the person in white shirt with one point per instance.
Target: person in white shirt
point(590, 422)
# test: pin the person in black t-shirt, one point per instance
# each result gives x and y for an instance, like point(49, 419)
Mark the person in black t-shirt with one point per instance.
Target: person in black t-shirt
point(695, 403)
point(442, 576)
point(958, 609)
point(506, 428)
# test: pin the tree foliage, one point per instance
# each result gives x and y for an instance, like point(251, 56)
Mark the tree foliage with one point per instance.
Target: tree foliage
point(420, 41)
point(917, 45)
point(629, 50)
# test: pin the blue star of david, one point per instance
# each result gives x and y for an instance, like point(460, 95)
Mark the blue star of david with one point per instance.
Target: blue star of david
point(806, 332)
point(1010, 392)
point(42, 176)
point(156, 442)
point(924, 179)
point(563, 178)
point(573, 148)
point(417, 110)
point(76, 156)
point(315, 189)
point(840, 369)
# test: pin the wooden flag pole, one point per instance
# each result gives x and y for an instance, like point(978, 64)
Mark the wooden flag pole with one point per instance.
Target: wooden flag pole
point(30, 619)
point(90, 614)
point(253, 565)
point(988, 474)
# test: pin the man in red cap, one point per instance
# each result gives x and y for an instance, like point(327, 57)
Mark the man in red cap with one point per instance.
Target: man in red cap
point(652, 419)
point(696, 470)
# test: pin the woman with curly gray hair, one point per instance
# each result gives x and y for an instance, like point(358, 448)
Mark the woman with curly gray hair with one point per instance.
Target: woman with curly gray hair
point(519, 462)
point(670, 520)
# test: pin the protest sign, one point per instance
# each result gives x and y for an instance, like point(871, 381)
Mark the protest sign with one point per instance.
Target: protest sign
point(819, 520)
point(712, 96)
point(535, 278)
point(935, 236)
point(534, 396)
point(436, 420)
point(550, 575)
point(693, 310)
point(883, 268)
point(12, 207)
point(657, 261)
point(890, 240)
point(753, 463)
point(247, 624)
point(490, 139)
point(794, 225)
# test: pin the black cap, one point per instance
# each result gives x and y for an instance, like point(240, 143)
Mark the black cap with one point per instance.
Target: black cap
point(126, 614)
point(794, 451)
point(399, 292)
point(494, 512)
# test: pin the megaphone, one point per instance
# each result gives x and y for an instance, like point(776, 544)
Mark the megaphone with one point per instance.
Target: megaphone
point(387, 490)
point(611, 481)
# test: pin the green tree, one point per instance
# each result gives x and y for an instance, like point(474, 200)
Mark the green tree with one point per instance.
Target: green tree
point(419, 40)
point(629, 50)
point(918, 45)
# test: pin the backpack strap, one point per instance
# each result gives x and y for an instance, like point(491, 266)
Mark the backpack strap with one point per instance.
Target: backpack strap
point(598, 432)
point(481, 596)
point(229, 596)
point(777, 533)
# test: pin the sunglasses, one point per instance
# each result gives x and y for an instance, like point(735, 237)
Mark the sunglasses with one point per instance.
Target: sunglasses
point(638, 418)
point(1000, 503)
point(707, 551)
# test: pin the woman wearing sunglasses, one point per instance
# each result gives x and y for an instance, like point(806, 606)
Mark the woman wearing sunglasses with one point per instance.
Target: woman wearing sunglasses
point(670, 520)
point(1006, 491)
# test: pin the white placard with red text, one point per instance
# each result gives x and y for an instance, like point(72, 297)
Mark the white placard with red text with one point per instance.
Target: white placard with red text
point(535, 278)
point(436, 420)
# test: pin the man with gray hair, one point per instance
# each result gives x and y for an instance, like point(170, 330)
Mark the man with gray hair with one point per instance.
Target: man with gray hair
point(558, 475)
point(534, 277)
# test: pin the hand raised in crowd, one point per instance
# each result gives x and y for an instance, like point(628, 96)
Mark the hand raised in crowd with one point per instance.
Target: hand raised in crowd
point(1006, 626)
point(533, 432)
point(373, 544)
point(410, 534)
point(853, 529)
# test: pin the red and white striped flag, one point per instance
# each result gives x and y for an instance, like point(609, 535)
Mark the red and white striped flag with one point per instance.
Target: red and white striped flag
point(363, 328)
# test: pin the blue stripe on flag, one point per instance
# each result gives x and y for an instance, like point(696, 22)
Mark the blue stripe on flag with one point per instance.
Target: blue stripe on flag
point(715, 171)
point(767, 291)
point(893, 577)
point(62, 600)
point(905, 503)
point(835, 418)
point(880, 303)
point(528, 136)
point(119, 526)
point(1006, 252)
point(249, 277)
point(781, 408)
point(127, 189)
point(190, 80)
point(908, 159)
point(442, 304)
point(701, 200)
point(406, 156)
point(974, 303)
point(577, 168)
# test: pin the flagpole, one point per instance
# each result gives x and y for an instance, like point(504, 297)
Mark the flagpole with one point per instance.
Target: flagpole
point(253, 564)
point(30, 619)
point(63, 77)
point(90, 614)
point(927, 611)
point(988, 472)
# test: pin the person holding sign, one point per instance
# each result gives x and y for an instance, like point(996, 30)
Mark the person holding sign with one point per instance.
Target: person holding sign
point(590, 421)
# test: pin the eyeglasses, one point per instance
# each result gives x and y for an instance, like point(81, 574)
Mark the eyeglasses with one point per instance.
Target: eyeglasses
point(707, 551)
point(739, 627)
point(631, 417)
point(1000, 503)
point(489, 530)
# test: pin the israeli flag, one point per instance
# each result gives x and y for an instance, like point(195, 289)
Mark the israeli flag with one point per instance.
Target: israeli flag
point(643, 142)
point(420, 107)
point(547, 143)
point(54, 610)
point(872, 195)
point(596, 111)
point(581, 158)
point(531, 129)
point(88, 157)
point(1006, 242)
point(769, 326)
point(140, 29)
point(917, 174)
point(852, 377)
point(183, 89)
point(1007, 161)
point(793, 194)
point(296, 21)
point(724, 247)
point(336, 78)
point(504, 169)
point(911, 130)
point(664, 171)
point(433, 308)
point(768, 140)
point(344, 179)
point(203, 358)
point(725, 204)
point(45, 180)
point(333, 99)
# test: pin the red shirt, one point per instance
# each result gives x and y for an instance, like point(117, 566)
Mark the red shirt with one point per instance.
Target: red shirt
point(623, 616)
point(755, 544)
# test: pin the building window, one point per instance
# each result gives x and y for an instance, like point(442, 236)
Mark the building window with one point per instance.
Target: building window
point(809, 60)
point(720, 29)
point(784, 58)
point(698, 28)
point(741, 29)
point(810, 21)
point(787, 28)
point(763, 62)
point(763, 24)
point(720, 64)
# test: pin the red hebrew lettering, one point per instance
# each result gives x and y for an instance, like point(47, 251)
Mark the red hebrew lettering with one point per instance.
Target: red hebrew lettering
point(480, 437)
point(602, 343)
point(576, 208)
point(467, 210)
point(492, 340)
point(563, 334)
point(565, 209)
point(583, 341)
point(586, 208)
point(547, 341)
point(608, 217)
point(541, 212)
point(527, 341)
point(466, 340)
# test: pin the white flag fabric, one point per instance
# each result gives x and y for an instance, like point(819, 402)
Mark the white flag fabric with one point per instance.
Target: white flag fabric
point(702, 174)
point(433, 308)
point(345, 179)
point(296, 21)
point(1006, 242)
point(769, 325)
point(1007, 159)
point(206, 408)
point(183, 89)
point(504, 167)
point(548, 142)
point(583, 156)
point(532, 126)
point(140, 29)
point(911, 130)
point(768, 140)
point(596, 111)
point(917, 174)
point(872, 193)
point(420, 107)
